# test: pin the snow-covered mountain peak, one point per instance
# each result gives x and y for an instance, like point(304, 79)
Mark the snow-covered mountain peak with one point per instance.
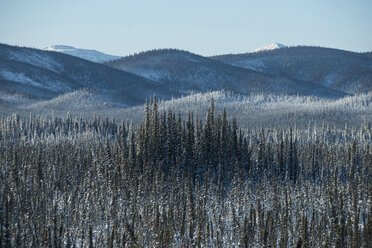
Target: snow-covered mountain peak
point(91, 55)
point(59, 48)
point(268, 47)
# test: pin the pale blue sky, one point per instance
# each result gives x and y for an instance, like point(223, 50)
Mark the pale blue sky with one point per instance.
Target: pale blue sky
point(206, 27)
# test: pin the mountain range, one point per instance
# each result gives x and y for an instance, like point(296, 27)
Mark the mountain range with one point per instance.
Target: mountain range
point(345, 71)
point(189, 72)
point(35, 75)
point(34, 79)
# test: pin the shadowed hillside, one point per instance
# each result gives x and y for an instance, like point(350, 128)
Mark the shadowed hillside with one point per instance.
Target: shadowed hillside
point(337, 69)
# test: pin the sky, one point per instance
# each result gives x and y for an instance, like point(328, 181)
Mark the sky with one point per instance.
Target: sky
point(206, 27)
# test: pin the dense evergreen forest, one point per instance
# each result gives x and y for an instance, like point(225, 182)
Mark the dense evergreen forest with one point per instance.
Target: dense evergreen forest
point(173, 182)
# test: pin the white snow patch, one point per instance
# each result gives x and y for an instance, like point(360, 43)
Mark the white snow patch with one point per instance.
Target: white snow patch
point(329, 79)
point(269, 47)
point(91, 55)
point(60, 48)
point(15, 99)
point(36, 59)
point(82, 100)
point(19, 77)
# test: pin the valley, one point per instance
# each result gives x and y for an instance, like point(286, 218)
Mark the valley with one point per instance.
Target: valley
point(307, 83)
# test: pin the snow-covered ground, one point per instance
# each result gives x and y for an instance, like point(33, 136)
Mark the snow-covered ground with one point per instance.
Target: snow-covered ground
point(80, 100)
point(35, 58)
point(92, 55)
point(268, 47)
point(19, 77)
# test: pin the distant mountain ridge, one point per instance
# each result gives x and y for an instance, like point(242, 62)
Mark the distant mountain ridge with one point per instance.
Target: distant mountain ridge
point(33, 79)
point(187, 72)
point(42, 75)
point(91, 55)
point(332, 68)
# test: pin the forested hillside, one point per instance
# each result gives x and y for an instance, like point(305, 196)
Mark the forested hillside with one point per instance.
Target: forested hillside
point(32, 75)
point(188, 72)
point(333, 68)
point(182, 182)
point(250, 111)
point(46, 82)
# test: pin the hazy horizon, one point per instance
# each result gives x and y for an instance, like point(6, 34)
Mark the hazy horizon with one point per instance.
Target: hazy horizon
point(207, 28)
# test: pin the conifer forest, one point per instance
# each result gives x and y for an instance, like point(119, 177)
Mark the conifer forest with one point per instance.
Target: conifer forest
point(172, 181)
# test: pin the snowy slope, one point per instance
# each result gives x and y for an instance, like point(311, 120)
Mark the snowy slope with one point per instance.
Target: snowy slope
point(266, 110)
point(79, 100)
point(187, 72)
point(269, 47)
point(332, 68)
point(44, 75)
point(87, 54)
